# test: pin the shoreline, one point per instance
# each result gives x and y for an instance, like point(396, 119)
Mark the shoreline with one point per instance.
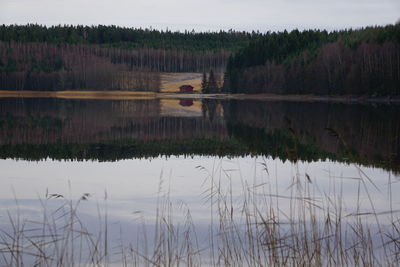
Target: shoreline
point(131, 95)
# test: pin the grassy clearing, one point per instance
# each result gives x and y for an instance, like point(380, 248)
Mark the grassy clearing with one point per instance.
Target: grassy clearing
point(170, 82)
point(253, 229)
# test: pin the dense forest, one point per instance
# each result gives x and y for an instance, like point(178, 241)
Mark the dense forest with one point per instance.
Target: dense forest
point(47, 67)
point(352, 62)
point(114, 36)
point(359, 62)
point(35, 57)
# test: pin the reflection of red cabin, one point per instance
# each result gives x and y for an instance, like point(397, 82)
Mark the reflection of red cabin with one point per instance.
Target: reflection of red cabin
point(186, 102)
point(186, 89)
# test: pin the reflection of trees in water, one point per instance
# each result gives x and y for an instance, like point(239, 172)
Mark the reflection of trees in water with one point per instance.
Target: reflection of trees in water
point(306, 131)
point(358, 132)
point(211, 108)
point(37, 121)
point(77, 120)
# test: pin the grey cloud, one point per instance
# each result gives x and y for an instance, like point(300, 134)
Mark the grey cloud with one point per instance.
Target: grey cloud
point(204, 15)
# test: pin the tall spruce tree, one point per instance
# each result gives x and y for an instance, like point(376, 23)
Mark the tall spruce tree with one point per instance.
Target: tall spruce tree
point(212, 86)
point(204, 84)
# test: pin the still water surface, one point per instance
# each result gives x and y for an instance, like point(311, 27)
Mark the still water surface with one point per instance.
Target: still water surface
point(125, 155)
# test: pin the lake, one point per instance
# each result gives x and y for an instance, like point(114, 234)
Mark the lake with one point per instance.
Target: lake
point(198, 182)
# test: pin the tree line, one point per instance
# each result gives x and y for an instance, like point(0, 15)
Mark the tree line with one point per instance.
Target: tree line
point(36, 57)
point(44, 66)
point(212, 83)
point(128, 37)
point(360, 62)
point(47, 67)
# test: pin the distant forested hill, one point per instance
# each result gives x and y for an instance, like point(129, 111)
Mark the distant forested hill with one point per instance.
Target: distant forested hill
point(35, 57)
point(128, 37)
point(360, 62)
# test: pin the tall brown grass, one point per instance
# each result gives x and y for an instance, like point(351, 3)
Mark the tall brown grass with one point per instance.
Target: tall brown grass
point(249, 229)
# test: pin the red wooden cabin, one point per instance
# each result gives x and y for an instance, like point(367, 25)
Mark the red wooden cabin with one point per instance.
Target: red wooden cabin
point(186, 89)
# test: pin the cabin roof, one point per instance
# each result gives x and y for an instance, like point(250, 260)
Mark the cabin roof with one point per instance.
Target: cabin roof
point(185, 86)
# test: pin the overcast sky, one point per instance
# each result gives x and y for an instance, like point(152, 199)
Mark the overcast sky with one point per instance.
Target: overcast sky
point(204, 15)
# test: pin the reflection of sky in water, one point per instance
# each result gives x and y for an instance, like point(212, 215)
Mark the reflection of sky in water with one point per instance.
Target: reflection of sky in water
point(133, 187)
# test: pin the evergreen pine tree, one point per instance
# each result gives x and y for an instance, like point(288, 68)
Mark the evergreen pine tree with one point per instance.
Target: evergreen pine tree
point(204, 84)
point(212, 86)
